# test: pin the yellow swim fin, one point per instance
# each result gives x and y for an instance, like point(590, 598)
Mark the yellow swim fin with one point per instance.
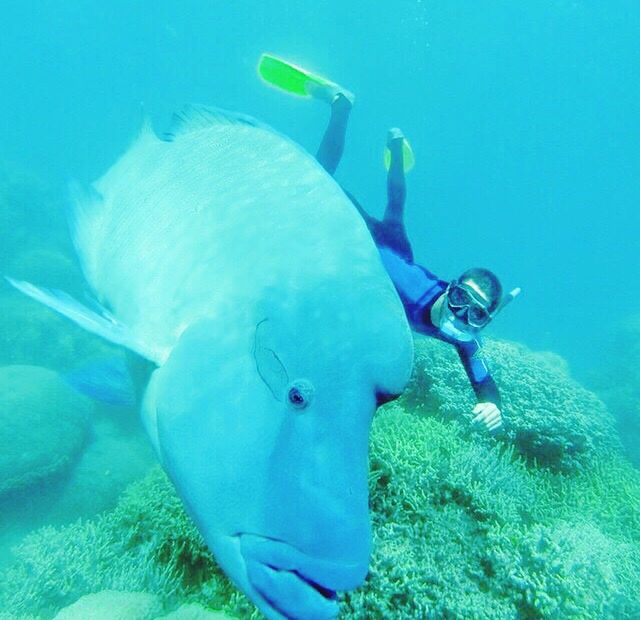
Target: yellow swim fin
point(408, 158)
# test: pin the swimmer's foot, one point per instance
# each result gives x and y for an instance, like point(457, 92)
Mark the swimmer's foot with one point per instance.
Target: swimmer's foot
point(399, 149)
point(395, 138)
point(330, 92)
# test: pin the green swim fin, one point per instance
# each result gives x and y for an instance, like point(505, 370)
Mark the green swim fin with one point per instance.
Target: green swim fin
point(289, 77)
point(408, 159)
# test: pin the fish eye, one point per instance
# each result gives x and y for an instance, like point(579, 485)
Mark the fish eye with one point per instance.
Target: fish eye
point(299, 394)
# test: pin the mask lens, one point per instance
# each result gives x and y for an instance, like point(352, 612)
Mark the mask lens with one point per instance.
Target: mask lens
point(458, 297)
point(477, 316)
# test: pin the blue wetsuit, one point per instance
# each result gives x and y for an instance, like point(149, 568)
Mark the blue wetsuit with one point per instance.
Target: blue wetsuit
point(418, 288)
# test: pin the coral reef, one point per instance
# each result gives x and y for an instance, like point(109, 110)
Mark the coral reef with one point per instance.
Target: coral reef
point(43, 426)
point(48, 267)
point(465, 526)
point(466, 531)
point(146, 544)
point(550, 418)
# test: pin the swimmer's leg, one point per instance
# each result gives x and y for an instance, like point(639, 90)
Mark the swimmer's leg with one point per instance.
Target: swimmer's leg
point(396, 186)
point(393, 221)
point(332, 145)
point(299, 81)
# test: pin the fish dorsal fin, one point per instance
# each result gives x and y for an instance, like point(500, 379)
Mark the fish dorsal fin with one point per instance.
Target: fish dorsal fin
point(87, 210)
point(194, 117)
point(102, 323)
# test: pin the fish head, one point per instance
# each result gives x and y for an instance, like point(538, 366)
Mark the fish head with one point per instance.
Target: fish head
point(262, 422)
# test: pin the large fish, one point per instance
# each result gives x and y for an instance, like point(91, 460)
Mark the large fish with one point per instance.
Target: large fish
point(224, 254)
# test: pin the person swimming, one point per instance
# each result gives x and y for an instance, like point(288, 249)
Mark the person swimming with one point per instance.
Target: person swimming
point(456, 311)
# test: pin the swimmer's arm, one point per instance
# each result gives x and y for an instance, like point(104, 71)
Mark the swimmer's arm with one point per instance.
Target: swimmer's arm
point(487, 411)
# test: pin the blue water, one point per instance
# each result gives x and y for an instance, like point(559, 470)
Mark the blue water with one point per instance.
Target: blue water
point(524, 118)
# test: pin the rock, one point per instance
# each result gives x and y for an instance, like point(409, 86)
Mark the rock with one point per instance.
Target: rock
point(111, 605)
point(43, 426)
point(195, 612)
point(111, 461)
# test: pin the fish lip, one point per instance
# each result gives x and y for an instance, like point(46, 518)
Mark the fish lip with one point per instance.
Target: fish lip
point(289, 596)
point(324, 577)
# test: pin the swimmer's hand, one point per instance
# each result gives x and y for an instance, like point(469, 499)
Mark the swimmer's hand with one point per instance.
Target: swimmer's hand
point(489, 415)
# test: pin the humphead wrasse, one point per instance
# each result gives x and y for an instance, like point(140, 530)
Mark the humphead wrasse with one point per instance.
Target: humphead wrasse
point(226, 255)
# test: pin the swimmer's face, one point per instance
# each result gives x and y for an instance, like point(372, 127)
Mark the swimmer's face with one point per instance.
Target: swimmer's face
point(469, 304)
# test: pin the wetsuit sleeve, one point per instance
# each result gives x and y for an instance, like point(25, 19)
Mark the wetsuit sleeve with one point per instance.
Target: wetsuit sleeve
point(477, 370)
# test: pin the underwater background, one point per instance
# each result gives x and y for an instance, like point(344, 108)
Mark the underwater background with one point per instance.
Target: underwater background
point(524, 118)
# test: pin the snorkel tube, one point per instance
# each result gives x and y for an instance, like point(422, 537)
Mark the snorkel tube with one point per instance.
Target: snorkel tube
point(506, 301)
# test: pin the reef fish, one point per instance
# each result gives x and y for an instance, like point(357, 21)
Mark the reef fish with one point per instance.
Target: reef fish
point(225, 254)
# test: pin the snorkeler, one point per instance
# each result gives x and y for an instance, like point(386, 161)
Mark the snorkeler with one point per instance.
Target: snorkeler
point(455, 312)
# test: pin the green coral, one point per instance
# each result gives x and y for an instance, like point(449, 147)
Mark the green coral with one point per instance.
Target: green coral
point(550, 418)
point(567, 570)
point(194, 611)
point(464, 530)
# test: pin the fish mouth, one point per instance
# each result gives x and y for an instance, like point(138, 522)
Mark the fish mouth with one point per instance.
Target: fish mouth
point(293, 584)
point(325, 592)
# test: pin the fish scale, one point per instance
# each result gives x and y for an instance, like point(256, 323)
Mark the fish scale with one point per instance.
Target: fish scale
point(177, 216)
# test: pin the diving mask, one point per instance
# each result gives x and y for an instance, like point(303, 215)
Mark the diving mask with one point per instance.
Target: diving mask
point(468, 306)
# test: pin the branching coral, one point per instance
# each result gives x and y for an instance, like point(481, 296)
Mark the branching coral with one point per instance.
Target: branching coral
point(464, 530)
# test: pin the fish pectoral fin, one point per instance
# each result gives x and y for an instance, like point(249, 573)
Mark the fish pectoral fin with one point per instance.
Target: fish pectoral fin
point(102, 323)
